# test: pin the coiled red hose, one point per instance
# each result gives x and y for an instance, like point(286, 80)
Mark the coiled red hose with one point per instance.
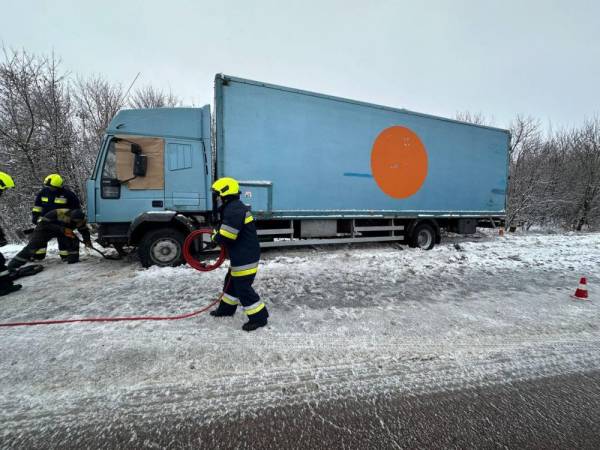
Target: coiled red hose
point(199, 265)
point(189, 259)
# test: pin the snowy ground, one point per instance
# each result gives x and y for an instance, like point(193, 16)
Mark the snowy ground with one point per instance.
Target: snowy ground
point(345, 322)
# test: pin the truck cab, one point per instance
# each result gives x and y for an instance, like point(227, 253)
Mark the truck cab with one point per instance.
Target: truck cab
point(151, 183)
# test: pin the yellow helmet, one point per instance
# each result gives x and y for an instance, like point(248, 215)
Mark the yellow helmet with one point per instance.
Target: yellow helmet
point(226, 186)
point(54, 180)
point(6, 181)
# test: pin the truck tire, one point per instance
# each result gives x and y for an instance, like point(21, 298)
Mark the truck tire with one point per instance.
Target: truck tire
point(423, 237)
point(161, 247)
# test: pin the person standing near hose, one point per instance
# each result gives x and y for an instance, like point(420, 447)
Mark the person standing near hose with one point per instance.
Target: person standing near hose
point(237, 232)
point(54, 195)
point(58, 224)
point(6, 282)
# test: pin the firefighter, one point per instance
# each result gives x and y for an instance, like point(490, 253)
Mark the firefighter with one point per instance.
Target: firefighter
point(58, 224)
point(6, 281)
point(237, 232)
point(52, 196)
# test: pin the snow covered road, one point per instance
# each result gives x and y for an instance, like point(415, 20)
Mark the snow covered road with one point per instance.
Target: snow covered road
point(345, 323)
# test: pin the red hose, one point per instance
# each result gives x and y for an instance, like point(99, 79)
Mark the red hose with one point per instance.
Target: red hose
point(190, 260)
point(187, 252)
point(112, 319)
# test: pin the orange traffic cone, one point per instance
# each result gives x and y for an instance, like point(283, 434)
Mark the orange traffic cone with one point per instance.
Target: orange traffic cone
point(581, 293)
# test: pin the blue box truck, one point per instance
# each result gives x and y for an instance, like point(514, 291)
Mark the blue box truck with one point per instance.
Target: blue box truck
point(315, 169)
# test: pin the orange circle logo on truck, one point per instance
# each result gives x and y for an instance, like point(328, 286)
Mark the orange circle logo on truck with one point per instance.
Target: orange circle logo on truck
point(399, 162)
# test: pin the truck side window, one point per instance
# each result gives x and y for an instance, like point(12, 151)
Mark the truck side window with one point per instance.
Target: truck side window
point(110, 164)
point(110, 186)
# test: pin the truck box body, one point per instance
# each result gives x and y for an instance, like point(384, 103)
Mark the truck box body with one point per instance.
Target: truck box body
point(314, 153)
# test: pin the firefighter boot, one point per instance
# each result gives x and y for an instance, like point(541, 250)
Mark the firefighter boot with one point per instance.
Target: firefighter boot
point(224, 310)
point(257, 320)
point(9, 289)
point(73, 257)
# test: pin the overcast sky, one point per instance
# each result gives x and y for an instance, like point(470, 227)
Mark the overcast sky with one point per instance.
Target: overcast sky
point(500, 58)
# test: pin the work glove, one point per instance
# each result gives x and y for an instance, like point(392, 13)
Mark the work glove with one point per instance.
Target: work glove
point(69, 233)
point(212, 243)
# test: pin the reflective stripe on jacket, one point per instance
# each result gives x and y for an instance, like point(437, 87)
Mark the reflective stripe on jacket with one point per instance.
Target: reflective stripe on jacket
point(49, 199)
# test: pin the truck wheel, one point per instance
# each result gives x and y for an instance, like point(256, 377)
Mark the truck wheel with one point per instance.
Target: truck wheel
point(423, 237)
point(161, 247)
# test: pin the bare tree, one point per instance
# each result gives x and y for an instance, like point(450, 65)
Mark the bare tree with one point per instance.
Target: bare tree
point(97, 102)
point(18, 74)
point(150, 97)
point(585, 160)
point(524, 170)
point(56, 126)
point(51, 122)
point(474, 118)
point(36, 127)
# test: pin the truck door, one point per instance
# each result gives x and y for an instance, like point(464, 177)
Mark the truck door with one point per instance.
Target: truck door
point(121, 195)
point(186, 174)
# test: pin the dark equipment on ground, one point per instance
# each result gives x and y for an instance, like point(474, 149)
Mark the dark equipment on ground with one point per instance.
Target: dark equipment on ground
point(26, 271)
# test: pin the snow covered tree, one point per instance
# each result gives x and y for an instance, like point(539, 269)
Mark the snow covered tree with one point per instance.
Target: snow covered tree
point(52, 122)
point(36, 128)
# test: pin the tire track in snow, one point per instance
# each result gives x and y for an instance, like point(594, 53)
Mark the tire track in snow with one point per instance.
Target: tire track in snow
point(427, 368)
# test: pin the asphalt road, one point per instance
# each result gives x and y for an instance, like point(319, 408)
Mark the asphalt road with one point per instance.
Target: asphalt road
point(557, 412)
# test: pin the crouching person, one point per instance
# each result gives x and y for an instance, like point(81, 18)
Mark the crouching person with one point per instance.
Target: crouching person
point(237, 233)
point(6, 281)
point(58, 224)
point(54, 195)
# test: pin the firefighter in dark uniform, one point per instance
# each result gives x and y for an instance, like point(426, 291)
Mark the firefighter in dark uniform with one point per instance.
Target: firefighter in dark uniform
point(52, 196)
point(237, 232)
point(58, 224)
point(6, 282)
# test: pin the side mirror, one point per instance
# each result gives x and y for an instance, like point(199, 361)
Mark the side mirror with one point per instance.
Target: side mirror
point(140, 165)
point(140, 162)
